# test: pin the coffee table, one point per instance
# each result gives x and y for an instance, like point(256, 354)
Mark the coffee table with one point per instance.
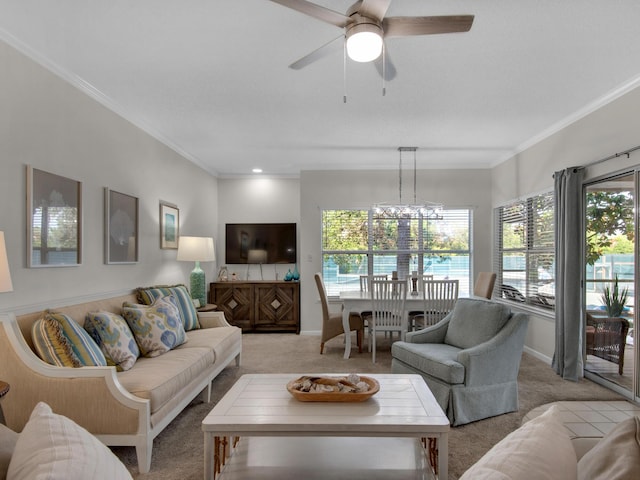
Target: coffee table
point(259, 405)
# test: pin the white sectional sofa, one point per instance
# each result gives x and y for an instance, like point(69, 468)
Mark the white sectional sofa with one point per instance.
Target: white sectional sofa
point(120, 408)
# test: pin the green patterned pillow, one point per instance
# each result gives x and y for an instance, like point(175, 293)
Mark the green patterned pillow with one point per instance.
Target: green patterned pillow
point(157, 327)
point(114, 337)
point(188, 312)
point(60, 341)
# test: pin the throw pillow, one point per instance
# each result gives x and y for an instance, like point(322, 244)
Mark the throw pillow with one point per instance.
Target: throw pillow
point(60, 341)
point(616, 456)
point(157, 327)
point(188, 312)
point(538, 450)
point(474, 321)
point(114, 337)
point(54, 447)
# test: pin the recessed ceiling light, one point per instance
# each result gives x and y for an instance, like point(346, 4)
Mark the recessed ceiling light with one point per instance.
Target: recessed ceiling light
point(257, 170)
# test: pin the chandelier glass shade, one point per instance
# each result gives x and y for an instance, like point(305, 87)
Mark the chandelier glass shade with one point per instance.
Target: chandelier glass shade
point(422, 209)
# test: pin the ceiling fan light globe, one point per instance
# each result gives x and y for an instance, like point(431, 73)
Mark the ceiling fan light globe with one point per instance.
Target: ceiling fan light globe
point(364, 42)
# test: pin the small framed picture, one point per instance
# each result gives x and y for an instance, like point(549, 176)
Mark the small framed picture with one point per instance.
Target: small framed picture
point(54, 220)
point(169, 226)
point(120, 227)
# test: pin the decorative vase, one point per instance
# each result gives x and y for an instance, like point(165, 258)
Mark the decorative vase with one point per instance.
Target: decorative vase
point(295, 275)
point(288, 276)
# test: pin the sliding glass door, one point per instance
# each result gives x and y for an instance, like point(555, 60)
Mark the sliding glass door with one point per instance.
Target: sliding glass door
point(610, 283)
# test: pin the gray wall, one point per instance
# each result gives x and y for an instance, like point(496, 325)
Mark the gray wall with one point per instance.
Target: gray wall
point(257, 200)
point(320, 190)
point(51, 125)
point(609, 129)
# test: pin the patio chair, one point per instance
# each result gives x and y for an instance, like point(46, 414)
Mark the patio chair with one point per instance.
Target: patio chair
point(606, 338)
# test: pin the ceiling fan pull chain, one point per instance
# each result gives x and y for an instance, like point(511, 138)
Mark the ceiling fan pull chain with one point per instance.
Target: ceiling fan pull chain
point(344, 71)
point(384, 68)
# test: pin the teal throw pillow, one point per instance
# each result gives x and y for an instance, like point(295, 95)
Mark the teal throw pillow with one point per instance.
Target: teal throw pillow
point(156, 327)
point(112, 334)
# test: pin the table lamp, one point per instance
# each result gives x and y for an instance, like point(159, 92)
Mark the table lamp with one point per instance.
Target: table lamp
point(5, 274)
point(196, 249)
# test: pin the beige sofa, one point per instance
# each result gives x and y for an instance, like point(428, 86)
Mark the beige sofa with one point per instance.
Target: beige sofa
point(542, 448)
point(120, 408)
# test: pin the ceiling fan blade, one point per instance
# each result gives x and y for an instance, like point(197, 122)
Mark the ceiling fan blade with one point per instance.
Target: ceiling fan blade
point(327, 49)
point(389, 68)
point(316, 11)
point(374, 8)
point(407, 26)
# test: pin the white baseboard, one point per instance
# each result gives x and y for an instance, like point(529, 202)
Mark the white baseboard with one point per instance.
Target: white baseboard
point(538, 355)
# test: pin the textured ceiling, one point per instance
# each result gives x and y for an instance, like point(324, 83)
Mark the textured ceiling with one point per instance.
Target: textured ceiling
point(210, 78)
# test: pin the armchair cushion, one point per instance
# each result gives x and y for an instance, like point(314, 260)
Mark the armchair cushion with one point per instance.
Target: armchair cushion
point(438, 359)
point(474, 321)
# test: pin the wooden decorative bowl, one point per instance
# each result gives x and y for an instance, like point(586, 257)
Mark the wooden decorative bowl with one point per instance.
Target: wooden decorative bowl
point(374, 387)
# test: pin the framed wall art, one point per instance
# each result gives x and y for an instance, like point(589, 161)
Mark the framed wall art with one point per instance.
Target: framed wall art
point(120, 227)
point(54, 220)
point(169, 226)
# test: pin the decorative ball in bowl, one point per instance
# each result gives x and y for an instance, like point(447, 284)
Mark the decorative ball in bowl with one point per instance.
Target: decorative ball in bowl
point(328, 388)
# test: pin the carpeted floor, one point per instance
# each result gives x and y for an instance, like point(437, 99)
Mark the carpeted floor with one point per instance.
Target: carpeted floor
point(178, 450)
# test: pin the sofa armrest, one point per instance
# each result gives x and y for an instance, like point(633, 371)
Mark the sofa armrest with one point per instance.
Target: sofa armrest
point(496, 360)
point(433, 334)
point(213, 320)
point(77, 393)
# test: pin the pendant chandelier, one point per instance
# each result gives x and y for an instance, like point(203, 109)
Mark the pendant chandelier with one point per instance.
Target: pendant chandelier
point(426, 210)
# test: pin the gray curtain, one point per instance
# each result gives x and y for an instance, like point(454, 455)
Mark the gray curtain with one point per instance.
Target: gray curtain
point(567, 359)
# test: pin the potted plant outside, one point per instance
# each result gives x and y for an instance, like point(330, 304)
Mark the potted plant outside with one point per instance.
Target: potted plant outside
point(614, 299)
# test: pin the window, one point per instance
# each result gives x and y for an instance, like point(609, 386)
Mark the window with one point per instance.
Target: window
point(525, 256)
point(359, 242)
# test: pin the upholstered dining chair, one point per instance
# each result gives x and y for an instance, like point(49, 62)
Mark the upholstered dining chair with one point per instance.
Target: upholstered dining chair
point(484, 285)
point(332, 322)
point(388, 314)
point(439, 298)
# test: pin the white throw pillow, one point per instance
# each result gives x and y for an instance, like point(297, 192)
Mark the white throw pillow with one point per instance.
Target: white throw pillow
point(539, 450)
point(53, 447)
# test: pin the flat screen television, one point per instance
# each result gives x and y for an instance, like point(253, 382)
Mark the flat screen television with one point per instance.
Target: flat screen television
point(260, 243)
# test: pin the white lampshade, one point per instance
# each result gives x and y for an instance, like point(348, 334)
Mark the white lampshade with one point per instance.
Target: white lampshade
point(5, 274)
point(196, 249)
point(364, 42)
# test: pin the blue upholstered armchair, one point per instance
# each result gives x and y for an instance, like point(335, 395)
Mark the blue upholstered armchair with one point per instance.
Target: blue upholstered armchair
point(469, 360)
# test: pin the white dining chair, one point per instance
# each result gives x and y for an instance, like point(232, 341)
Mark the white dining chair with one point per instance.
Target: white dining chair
point(388, 314)
point(439, 297)
point(416, 291)
point(365, 287)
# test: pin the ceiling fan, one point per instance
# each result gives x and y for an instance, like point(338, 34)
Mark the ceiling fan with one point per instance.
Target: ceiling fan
point(365, 28)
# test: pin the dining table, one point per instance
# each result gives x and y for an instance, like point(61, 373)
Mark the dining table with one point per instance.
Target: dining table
point(359, 301)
